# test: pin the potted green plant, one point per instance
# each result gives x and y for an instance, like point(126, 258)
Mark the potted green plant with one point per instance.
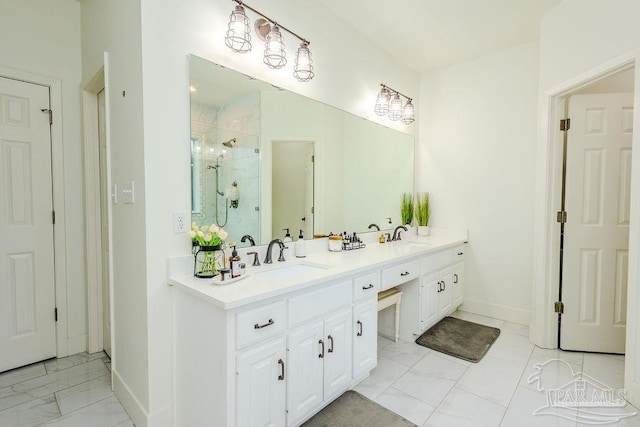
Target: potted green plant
point(406, 208)
point(423, 212)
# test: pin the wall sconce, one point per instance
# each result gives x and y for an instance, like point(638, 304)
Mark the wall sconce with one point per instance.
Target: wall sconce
point(388, 103)
point(238, 39)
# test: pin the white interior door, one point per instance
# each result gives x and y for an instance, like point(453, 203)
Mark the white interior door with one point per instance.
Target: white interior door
point(27, 288)
point(292, 188)
point(598, 181)
point(105, 199)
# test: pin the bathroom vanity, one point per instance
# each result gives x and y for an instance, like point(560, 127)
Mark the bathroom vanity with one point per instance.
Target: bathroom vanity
point(279, 345)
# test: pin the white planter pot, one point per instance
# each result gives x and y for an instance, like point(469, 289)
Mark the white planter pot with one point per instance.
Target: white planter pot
point(423, 230)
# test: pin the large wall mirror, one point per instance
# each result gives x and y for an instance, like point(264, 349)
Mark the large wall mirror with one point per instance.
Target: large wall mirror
point(264, 160)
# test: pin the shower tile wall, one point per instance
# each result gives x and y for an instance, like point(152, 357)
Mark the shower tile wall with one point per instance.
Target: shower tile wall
point(239, 119)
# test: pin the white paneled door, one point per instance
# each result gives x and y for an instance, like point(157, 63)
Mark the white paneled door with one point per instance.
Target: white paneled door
point(27, 294)
point(594, 288)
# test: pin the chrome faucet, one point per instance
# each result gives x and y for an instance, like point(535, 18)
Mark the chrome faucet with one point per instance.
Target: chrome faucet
point(267, 258)
point(248, 237)
point(397, 231)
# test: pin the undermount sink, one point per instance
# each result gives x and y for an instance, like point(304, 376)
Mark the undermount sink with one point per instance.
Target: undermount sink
point(286, 272)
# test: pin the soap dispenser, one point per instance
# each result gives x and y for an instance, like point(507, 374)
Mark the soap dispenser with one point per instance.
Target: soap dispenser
point(287, 237)
point(300, 249)
point(234, 264)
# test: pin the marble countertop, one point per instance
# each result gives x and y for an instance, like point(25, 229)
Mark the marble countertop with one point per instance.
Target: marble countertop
point(335, 265)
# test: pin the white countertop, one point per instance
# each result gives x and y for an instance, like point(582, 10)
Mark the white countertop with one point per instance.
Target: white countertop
point(338, 265)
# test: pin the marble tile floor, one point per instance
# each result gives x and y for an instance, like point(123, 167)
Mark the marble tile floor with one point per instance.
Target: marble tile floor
point(505, 388)
point(428, 388)
point(74, 391)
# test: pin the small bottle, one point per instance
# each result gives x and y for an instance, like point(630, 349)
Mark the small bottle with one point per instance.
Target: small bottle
point(234, 264)
point(300, 249)
point(287, 237)
point(382, 239)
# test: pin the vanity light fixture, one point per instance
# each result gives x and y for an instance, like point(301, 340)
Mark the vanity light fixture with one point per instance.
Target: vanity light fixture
point(389, 103)
point(238, 39)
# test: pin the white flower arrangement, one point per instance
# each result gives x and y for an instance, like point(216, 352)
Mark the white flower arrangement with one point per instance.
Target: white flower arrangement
point(207, 235)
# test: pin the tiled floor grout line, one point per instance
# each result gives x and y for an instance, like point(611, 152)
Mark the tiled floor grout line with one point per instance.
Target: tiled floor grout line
point(515, 390)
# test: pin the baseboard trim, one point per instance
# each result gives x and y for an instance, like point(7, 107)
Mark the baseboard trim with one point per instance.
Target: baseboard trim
point(136, 412)
point(496, 311)
point(76, 344)
point(161, 418)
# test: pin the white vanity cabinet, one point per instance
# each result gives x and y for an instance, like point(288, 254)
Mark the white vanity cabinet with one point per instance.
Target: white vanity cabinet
point(319, 364)
point(438, 293)
point(261, 386)
point(365, 337)
point(458, 275)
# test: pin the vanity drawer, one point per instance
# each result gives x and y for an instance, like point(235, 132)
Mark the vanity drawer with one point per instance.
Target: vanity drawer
point(317, 303)
point(394, 276)
point(366, 286)
point(258, 323)
point(458, 253)
point(437, 261)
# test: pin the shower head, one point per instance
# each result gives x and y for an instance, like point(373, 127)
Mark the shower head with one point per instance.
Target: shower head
point(230, 143)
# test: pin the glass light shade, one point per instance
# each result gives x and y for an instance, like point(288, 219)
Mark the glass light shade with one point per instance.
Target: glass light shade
point(274, 54)
point(237, 37)
point(382, 102)
point(303, 69)
point(395, 108)
point(408, 113)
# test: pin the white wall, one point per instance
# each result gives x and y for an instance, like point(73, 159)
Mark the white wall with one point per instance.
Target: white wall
point(476, 151)
point(577, 38)
point(115, 27)
point(349, 70)
point(43, 37)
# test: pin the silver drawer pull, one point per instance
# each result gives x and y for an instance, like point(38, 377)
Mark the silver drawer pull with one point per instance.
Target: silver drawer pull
point(406, 273)
point(269, 323)
point(321, 355)
point(281, 376)
point(331, 341)
point(359, 334)
point(364, 288)
point(460, 253)
point(455, 278)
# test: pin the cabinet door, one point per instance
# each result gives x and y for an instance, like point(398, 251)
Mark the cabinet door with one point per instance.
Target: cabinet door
point(365, 337)
point(337, 356)
point(458, 284)
point(429, 294)
point(445, 296)
point(261, 385)
point(304, 370)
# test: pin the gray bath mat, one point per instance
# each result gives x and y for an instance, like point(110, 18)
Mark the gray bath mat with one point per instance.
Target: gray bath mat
point(354, 410)
point(459, 338)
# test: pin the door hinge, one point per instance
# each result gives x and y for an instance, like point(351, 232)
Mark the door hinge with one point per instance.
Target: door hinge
point(313, 159)
point(565, 124)
point(558, 307)
point(312, 209)
point(46, 110)
point(53, 217)
point(55, 313)
point(561, 217)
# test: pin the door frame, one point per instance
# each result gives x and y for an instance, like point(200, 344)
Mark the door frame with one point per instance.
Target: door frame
point(544, 327)
point(93, 232)
point(57, 177)
point(266, 154)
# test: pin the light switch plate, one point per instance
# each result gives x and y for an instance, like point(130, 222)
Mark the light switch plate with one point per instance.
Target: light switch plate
point(128, 195)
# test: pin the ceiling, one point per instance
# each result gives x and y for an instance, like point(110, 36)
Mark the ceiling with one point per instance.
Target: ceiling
point(429, 34)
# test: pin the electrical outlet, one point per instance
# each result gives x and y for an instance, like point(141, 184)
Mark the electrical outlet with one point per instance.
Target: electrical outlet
point(180, 222)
